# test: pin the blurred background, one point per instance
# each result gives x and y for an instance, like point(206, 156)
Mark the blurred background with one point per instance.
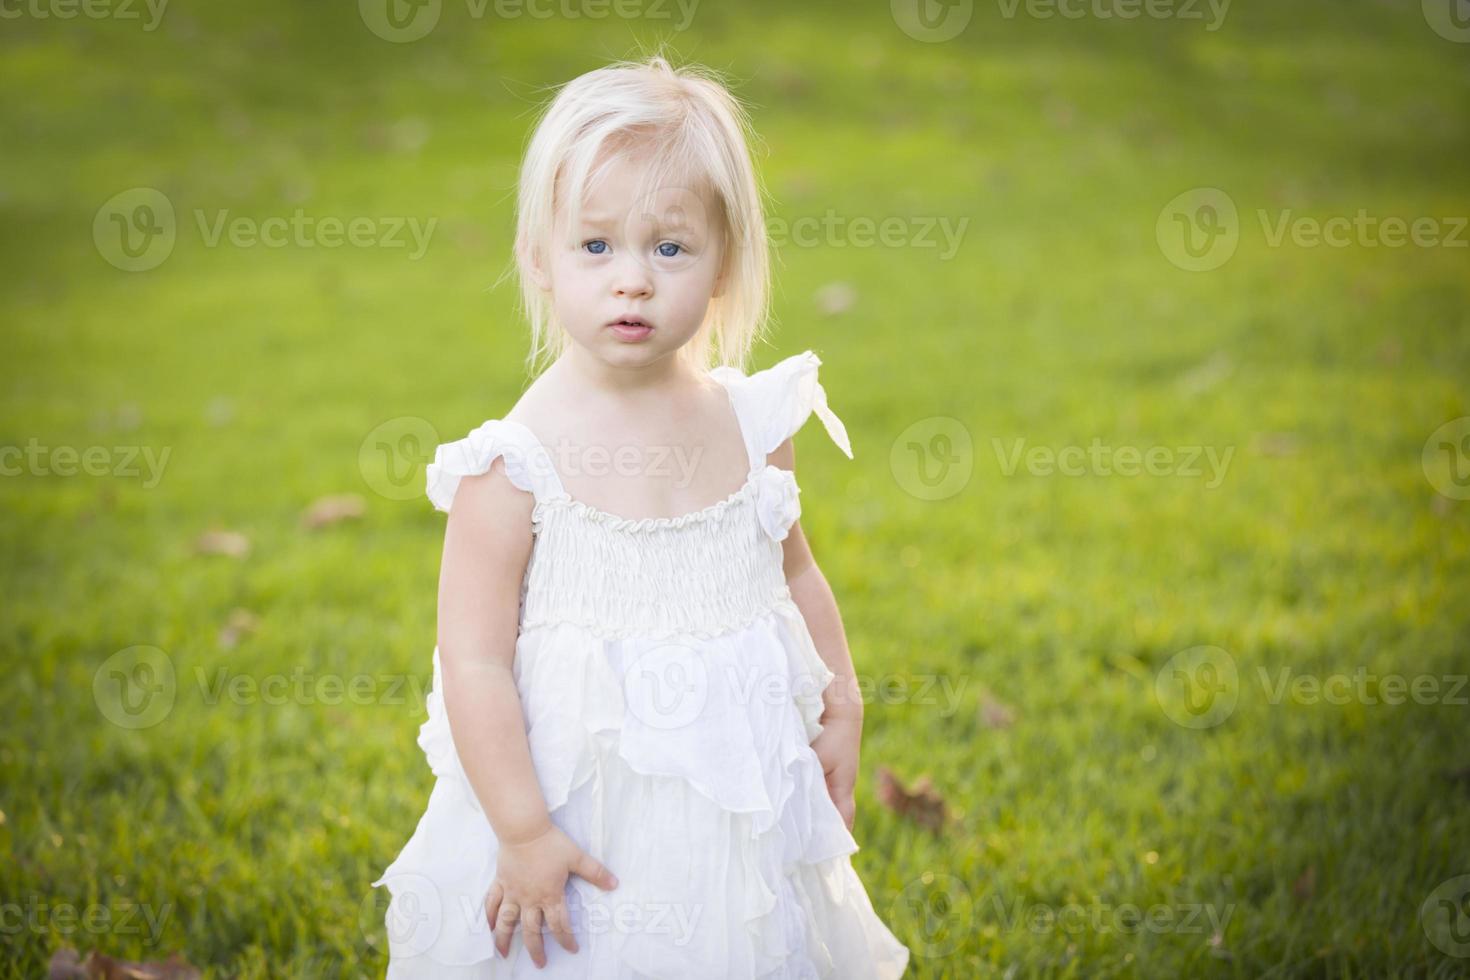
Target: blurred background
point(1148, 319)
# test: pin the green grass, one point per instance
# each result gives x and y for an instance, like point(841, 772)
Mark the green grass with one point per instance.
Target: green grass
point(253, 825)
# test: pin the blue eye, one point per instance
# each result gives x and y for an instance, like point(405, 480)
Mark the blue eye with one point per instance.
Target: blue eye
point(669, 255)
point(601, 246)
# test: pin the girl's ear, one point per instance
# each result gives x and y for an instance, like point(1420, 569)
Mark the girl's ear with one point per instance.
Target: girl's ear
point(530, 258)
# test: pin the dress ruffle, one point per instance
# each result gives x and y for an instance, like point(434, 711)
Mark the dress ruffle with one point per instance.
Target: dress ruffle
point(737, 848)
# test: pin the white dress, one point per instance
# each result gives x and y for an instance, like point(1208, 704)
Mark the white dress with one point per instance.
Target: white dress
point(671, 690)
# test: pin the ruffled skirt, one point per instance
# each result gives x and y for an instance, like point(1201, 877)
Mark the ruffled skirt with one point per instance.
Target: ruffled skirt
point(685, 767)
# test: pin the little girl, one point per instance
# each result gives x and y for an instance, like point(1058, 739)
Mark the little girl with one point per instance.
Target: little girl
point(644, 721)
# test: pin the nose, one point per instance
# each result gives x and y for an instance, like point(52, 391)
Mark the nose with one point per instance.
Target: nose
point(632, 279)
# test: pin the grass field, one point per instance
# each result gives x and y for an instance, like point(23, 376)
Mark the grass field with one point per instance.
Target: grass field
point(1167, 691)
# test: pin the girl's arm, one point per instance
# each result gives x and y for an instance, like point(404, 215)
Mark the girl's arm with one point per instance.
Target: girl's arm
point(813, 596)
point(839, 743)
point(487, 545)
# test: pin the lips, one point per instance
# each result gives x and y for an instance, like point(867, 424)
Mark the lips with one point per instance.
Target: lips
point(631, 329)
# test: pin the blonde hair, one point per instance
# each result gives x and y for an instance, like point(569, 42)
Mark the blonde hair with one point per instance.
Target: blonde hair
point(697, 133)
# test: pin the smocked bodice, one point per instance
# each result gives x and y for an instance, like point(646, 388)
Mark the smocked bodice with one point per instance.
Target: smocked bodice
point(700, 574)
point(703, 573)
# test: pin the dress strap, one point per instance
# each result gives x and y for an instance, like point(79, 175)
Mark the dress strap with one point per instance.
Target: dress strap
point(775, 403)
point(527, 462)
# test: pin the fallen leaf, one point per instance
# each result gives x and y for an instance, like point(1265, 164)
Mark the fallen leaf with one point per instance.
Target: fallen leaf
point(836, 298)
point(1206, 375)
point(922, 803)
point(1305, 885)
point(66, 965)
point(333, 510)
point(241, 623)
point(217, 542)
point(994, 713)
point(1275, 444)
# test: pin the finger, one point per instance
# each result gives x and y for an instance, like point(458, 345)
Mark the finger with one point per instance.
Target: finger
point(505, 926)
point(492, 904)
point(531, 935)
point(559, 921)
point(590, 868)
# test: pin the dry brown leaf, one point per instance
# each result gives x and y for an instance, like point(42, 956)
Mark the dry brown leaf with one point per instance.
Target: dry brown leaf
point(994, 713)
point(1275, 444)
point(218, 542)
point(241, 623)
point(836, 298)
point(66, 965)
point(1305, 885)
point(326, 511)
point(922, 803)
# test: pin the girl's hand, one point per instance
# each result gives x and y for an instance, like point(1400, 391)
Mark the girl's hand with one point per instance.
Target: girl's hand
point(837, 747)
point(530, 889)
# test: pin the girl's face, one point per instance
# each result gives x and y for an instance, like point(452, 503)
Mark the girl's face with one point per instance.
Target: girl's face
point(657, 261)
